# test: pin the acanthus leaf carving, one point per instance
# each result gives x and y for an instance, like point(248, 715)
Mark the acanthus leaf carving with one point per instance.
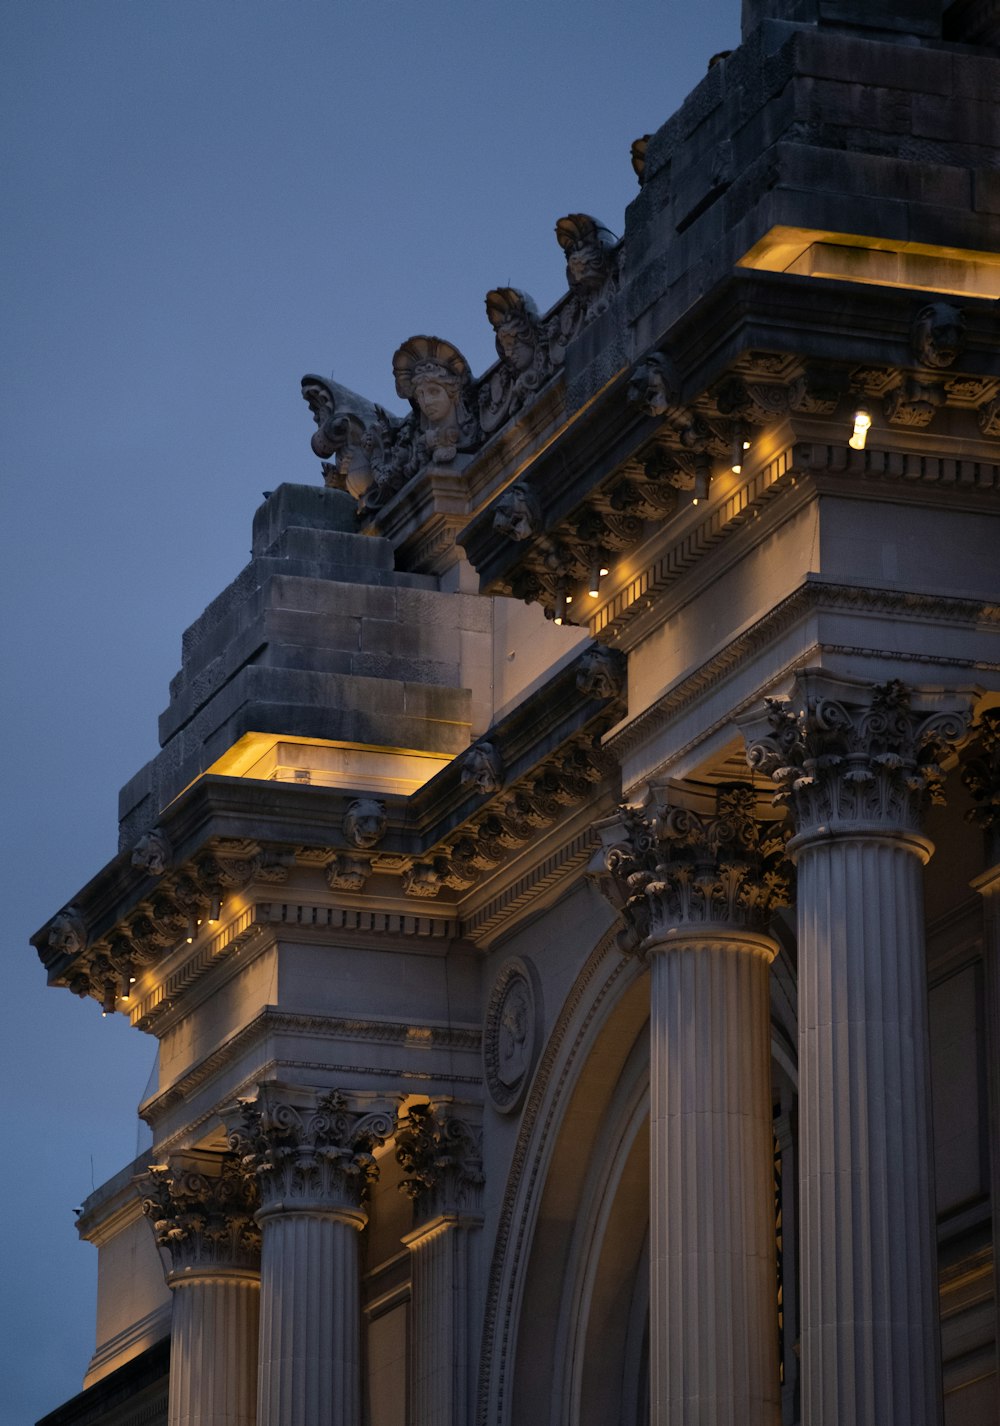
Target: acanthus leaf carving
point(673, 868)
point(870, 759)
point(307, 1149)
point(441, 1156)
point(204, 1219)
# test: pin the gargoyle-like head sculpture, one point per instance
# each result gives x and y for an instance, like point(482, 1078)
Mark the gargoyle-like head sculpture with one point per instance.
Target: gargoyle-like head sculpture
point(67, 933)
point(482, 767)
point(653, 384)
point(600, 674)
point(938, 334)
point(590, 254)
point(435, 378)
point(517, 514)
point(152, 852)
point(365, 822)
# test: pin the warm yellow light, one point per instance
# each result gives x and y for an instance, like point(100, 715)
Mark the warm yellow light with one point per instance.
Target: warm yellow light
point(862, 425)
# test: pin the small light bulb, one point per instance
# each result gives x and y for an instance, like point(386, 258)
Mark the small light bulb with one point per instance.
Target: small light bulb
point(862, 425)
point(604, 569)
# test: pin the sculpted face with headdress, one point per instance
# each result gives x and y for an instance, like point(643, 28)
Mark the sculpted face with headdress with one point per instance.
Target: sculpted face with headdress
point(523, 352)
point(591, 261)
point(435, 378)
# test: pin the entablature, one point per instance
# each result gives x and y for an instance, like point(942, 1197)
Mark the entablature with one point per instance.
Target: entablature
point(200, 885)
point(722, 416)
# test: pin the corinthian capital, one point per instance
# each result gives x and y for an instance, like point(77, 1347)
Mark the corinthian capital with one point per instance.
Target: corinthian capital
point(981, 775)
point(846, 756)
point(308, 1151)
point(442, 1157)
point(202, 1210)
point(672, 868)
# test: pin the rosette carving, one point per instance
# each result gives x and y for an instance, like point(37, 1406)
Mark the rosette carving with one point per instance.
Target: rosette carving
point(670, 867)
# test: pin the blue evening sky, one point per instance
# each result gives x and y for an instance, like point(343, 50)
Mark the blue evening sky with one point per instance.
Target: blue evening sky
point(204, 200)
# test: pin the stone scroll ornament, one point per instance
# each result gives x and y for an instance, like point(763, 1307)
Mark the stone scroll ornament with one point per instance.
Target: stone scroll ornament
point(670, 867)
point(525, 362)
point(348, 436)
point(866, 757)
point(510, 1035)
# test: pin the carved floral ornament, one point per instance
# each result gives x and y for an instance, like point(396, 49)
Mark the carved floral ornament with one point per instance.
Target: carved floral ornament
point(670, 868)
point(442, 1158)
point(308, 1150)
point(864, 759)
point(204, 1220)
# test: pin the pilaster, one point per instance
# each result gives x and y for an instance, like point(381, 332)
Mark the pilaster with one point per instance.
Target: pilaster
point(855, 765)
point(696, 893)
point(442, 1156)
point(313, 1159)
point(203, 1215)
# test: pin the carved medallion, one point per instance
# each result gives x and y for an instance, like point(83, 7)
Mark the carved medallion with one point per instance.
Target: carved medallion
point(511, 1035)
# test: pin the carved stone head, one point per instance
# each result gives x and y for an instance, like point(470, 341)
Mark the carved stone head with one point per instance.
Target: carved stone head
point(435, 378)
point(347, 874)
point(482, 768)
point(517, 515)
point(938, 334)
point(514, 319)
point(67, 933)
point(152, 852)
point(653, 384)
point(365, 822)
point(600, 674)
point(590, 254)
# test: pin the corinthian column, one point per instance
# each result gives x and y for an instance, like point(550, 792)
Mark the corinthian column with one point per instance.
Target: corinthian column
point(442, 1157)
point(855, 765)
point(696, 893)
point(313, 1160)
point(981, 775)
point(202, 1208)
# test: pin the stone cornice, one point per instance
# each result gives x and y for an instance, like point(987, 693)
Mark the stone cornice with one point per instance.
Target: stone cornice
point(610, 481)
point(228, 834)
point(464, 1039)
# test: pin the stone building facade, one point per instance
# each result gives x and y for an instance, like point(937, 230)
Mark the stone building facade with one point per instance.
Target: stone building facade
point(567, 896)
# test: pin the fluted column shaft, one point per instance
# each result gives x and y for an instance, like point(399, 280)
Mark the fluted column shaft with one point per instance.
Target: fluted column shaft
point(213, 1349)
point(441, 1322)
point(713, 1311)
point(870, 1351)
point(310, 1321)
point(988, 885)
point(856, 765)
